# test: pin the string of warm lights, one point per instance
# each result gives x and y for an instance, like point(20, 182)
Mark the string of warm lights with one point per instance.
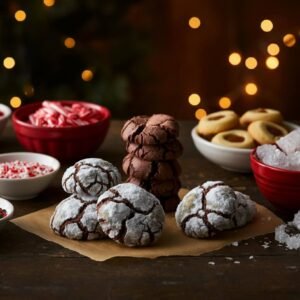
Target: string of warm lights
point(235, 59)
point(69, 42)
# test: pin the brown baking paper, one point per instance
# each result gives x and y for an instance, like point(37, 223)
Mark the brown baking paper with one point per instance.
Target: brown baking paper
point(172, 241)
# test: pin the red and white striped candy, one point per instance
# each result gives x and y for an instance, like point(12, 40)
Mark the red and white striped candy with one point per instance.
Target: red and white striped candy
point(23, 169)
point(55, 114)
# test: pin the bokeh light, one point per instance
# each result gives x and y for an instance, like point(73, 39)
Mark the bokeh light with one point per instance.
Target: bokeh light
point(15, 102)
point(87, 75)
point(49, 3)
point(225, 102)
point(9, 62)
point(69, 42)
point(200, 113)
point(251, 88)
point(20, 15)
point(273, 49)
point(266, 25)
point(289, 40)
point(272, 62)
point(251, 63)
point(235, 58)
point(194, 22)
point(194, 99)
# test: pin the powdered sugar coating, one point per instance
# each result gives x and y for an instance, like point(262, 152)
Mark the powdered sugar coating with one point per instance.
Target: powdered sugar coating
point(211, 208)
point(130, 215)
point(289, 233)
point(245, 209)
point(90, 177)
point(76, 219)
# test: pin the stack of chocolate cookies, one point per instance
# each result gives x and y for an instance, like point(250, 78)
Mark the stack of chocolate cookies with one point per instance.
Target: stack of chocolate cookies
point(153, 149)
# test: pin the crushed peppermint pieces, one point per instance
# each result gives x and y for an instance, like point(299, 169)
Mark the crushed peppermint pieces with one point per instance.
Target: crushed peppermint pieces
point(1, 113)
point(212, 263)
point(55, 114)
point(3, 213)
point(23, 169)
point(237, 262)
point(235, 244)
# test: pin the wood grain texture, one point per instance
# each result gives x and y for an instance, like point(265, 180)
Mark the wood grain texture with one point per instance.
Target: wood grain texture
point(32, 268)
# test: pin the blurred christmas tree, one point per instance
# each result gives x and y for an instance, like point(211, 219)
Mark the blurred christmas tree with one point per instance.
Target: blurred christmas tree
point(70, 49)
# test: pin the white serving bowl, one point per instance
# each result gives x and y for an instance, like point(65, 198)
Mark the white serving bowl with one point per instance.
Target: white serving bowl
point(232, 159)
point(27, 188)
point(4, 204)
point(6, 115)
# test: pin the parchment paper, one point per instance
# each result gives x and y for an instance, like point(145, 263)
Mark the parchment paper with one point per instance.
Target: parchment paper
point(172, 242)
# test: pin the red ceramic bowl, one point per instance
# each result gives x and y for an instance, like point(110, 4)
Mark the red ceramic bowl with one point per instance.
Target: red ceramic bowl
point(66, 144)
point(280, 187)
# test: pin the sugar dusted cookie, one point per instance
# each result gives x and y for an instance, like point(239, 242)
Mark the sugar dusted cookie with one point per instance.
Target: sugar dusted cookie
point(211, 208)
point(130, 215)
point(76, 218)
point(90, 177)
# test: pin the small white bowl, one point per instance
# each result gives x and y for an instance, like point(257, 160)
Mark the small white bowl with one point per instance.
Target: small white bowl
point(232, 159)
point(27, 188)
point(4, 204)
point(5, 117)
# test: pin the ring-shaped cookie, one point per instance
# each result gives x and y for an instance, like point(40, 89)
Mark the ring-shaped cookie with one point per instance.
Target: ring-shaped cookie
point(236, 138)
point(217, 122)
point(261, 114)
point(265, 132)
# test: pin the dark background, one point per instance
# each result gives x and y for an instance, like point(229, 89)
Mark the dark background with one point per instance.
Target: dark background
point(144, 56)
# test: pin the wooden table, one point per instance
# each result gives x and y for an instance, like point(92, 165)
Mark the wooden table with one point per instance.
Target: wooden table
point(32, 268)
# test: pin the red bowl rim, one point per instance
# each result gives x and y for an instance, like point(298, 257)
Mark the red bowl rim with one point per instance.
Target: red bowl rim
point(106, 115)
point(254, 159)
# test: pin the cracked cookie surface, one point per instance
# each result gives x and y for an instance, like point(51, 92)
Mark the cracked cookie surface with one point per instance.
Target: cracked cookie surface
point(168, 151)
point(154, 170)
point(154, 130)
point(211, 208)
point(130, 215)
point(90, 177)
point(75, 218)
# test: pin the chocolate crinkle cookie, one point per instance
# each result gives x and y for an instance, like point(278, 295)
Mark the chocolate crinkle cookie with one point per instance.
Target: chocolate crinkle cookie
point(211, 208)
point(154, 130)
point(76, 219)
point(90, 177)
point(130, 215)
point(289, 234)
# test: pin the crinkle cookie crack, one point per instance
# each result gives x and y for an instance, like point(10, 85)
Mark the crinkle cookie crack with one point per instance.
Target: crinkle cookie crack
point(85, 189)
point(77, 220)
point(211, 229)
point(133, 210)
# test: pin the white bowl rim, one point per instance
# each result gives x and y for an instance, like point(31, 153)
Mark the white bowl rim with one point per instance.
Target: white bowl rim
point(7, 111)
point(55, 168)
point(10, 212)
point(229, 149)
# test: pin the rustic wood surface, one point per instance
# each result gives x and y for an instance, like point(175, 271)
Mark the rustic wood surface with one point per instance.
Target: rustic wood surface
point(32, 268)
